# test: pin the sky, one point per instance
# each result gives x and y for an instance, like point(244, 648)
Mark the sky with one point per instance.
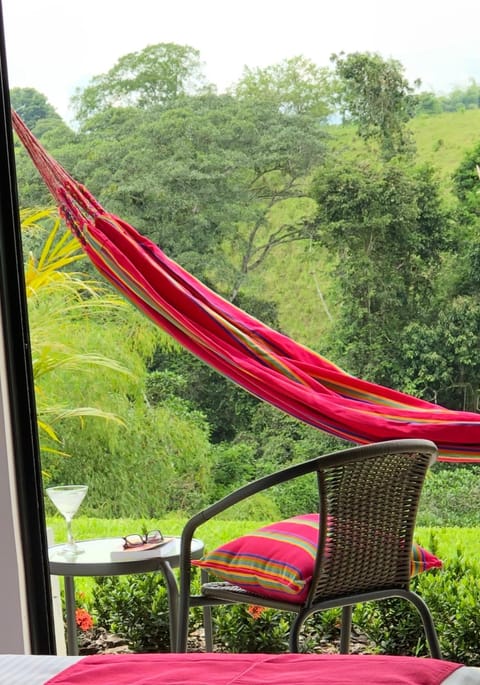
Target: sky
point(57, 46)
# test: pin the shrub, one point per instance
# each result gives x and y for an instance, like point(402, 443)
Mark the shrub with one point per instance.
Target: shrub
point(159, 463)
point(450, 496)
point(135, 607)
point(453, 597)
point(249, 629)
point(393, 625)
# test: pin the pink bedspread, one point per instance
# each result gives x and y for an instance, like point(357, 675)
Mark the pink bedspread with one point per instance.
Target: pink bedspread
point(253, 669)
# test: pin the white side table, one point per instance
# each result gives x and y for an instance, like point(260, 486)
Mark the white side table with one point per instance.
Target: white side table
point(94, 560)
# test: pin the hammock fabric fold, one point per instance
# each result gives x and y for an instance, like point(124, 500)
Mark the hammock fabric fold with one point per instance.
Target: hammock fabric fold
point(268, 364)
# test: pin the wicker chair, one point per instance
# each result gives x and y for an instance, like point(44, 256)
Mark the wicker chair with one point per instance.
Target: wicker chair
point(371, 493)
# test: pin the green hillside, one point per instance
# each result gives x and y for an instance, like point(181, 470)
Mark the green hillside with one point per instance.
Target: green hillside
point(444, 138)
point(295, 276)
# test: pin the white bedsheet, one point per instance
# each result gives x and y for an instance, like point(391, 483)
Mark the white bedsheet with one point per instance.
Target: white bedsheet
point(21, 669)
point(466, 675)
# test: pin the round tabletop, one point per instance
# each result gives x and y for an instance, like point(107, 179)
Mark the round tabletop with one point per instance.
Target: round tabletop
point(94, 558)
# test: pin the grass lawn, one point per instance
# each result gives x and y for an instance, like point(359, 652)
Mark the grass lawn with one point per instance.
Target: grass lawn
point(215, 532)
point(84, 528)
point(445, 541)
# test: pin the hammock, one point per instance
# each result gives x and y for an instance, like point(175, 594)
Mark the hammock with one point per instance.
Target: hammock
point(268, 364)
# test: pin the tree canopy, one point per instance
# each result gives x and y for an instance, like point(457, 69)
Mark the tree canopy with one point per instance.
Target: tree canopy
point(32, 106)
point(374, 93)
point(296, 86)
point(156, 75)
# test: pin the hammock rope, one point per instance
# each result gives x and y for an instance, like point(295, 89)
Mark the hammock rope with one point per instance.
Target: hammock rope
point(265, 362)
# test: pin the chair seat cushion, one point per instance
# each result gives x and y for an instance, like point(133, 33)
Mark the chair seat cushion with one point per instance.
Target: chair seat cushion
point(277, 561)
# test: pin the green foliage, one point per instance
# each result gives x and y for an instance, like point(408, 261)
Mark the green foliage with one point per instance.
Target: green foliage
point(217, 181)
point(375, 95)
point(234, 465)
point(428, 103)
point(452, 596)
point(466, 180)
point(226, 407)
point(59, 299)
point(75, 323)
point(460, 99)
point(260, 506)
point(450, 496)
point(32, 106)
point(135, 607)
point(385, 226)
point(457, 100)
point(247, 629)
point(296, 86)
point(440, 362)
point(156, 75)
point(159, 462)
point(393, 625)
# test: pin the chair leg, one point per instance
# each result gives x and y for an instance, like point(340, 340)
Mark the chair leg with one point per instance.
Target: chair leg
point(207, 626)
point(346, 629)
point(428, 625)
point(295, 632)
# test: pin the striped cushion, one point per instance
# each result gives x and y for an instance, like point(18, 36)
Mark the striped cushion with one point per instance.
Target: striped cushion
point(422, 560)
point(277, 561)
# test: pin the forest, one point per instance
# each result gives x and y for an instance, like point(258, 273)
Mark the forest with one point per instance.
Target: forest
point(327, 201)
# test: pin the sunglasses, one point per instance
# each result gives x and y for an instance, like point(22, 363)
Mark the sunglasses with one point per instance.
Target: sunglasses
point(136, 540)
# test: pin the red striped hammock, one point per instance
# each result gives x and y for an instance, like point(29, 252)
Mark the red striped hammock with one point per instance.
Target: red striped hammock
point(268, 364)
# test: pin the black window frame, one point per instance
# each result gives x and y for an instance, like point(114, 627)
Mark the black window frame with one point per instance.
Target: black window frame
point(21, 396)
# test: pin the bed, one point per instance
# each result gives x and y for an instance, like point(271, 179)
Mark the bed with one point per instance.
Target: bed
point(232, 669)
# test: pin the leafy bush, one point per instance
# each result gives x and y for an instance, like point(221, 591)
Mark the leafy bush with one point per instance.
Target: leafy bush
point(393, 625)
point(158, 463)
point(450, 496)
point(234, 465)
point(453, 597)
point(249, 629)
point(135, 607)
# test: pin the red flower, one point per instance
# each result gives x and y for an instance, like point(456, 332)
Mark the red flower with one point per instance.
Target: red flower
point(83, 619)
point(255, 611)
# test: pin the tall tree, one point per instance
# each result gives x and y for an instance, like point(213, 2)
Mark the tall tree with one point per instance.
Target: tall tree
point(42, 119)
point(31, 105)
point(466, 181)
point(384, 225)
point(374, 93)
point(296, 85)
point(156, 75)
point(205, 179)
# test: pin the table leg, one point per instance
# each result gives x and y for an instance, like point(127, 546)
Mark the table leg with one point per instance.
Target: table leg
point(72, 644)
point(172, 592)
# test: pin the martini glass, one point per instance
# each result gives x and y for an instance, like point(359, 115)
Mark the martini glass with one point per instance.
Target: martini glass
point(67, 499)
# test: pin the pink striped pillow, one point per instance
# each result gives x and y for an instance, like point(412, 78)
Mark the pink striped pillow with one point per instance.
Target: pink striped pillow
point(277, 561)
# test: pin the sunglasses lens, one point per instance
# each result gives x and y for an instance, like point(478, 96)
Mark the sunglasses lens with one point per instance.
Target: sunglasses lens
point(134, 540)
point(154, 536)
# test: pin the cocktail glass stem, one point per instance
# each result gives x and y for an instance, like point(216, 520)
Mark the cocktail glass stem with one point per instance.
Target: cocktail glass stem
point(70, 541)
